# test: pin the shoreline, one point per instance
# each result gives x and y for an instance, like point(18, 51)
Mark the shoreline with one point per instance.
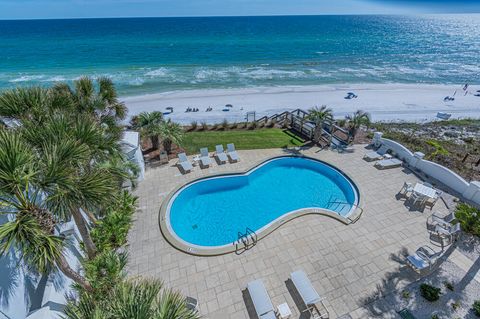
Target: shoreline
point(385, 102)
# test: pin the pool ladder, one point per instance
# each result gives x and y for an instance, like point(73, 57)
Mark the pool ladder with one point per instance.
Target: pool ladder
point(245, 241)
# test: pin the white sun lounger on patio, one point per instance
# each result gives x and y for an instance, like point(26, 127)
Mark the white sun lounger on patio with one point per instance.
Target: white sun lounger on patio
point(308, 294)
point(220, 154)
point(184, 163)
point(424, 258)
point(376, 155)
point(388, 163)
point(204, 157)
point(261, 300)
point(232, 152)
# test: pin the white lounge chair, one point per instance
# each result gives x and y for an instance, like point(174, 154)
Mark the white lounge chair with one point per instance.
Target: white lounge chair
point(204, 157)
point(261, 300)
point(184, 163)
point(308, 294)
point(388, 163)
point(376, 155)
point(436, 219)
point(451, 232)
point(424, 258)
point(220, 154)
point(232, 153)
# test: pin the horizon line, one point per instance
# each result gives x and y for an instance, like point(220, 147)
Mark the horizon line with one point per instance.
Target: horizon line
point(246, 16)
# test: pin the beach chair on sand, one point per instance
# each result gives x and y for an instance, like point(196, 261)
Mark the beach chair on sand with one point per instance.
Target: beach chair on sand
point(232, 153)
point(220, 154)
point(376, 155)
point(309, 295)
point(388, 163)
point(261, 300)
point(184, 163)
point(204, 157)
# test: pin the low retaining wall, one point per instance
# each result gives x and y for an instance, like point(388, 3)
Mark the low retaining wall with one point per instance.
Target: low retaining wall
point(470, 191)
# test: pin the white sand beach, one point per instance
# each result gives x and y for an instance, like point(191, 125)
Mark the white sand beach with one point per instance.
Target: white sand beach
point(385, 102)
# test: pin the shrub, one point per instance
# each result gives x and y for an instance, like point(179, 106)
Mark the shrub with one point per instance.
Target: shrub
point(449, 285)
point(270, 124)
point(225, 124)
point(456, 305)
point(469, 218)
point(214, 127)
point(193, 125)
point(252, 125)
point(476, 308)
point(429, 292)
point(435, 316)
point(204, 126)
point(111, 231)
point(406, 294)
point(233, 125)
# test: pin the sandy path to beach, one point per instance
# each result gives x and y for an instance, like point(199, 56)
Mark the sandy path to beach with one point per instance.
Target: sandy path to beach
point(386, 102)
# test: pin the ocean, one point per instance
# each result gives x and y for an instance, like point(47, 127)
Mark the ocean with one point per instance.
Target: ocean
point(145, 55)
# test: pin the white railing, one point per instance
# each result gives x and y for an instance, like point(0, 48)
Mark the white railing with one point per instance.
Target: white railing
point(470, 191)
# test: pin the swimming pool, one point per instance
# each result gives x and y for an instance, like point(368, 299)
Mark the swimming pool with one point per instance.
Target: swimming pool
point(211, 212)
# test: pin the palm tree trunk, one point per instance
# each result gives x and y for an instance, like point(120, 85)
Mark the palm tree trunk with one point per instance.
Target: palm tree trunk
point(91, 216)
point(155, 142)
point(72, 274)
point(82, 228)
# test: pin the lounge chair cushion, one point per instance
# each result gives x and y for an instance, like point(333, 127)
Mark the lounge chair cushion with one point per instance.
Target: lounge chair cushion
point(372, 155)
point(417, 262)
point(305, 288)
point(389, 163)
point(260, 298)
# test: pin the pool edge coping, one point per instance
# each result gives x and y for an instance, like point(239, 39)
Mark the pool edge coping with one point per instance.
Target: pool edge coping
point(285, 218)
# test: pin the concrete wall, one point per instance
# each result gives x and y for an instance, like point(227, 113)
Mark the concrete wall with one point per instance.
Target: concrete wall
point(470, 191)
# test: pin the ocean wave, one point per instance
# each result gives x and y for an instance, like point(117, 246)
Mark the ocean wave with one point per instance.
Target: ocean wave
point(160, 72)
point(26, 78)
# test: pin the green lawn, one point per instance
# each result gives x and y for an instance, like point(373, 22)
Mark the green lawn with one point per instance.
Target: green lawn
point(243, 139)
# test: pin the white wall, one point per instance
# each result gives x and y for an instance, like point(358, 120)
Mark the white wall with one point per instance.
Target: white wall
point(468, 190)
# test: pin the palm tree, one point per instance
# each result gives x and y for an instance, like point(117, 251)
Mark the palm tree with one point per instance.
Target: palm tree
point(319, 115)
point(142, 299)
point(355, 120)
point(69, 177)
point(171, 133)
point(99, 99)
point(150, 125)
point(31, 228)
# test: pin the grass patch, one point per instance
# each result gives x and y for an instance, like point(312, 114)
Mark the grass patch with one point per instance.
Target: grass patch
point(243, 139)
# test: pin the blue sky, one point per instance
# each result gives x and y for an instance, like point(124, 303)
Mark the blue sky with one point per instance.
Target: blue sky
point(26, 9)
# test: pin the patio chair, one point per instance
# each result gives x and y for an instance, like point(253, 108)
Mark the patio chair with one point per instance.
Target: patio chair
point(184, 163)
point(417, 198)
point(451, 233)
point(388, 163)
point(232, 153)
point(376, 155)
point(261, 300)
point(423, 258)
point(406, 188)
point(192, 304)
point(308, 294)
point(435, 219)
point(220, 154)
point(204, 157)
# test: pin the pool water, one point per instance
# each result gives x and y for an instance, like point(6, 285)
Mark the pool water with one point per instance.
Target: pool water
point(212, 211)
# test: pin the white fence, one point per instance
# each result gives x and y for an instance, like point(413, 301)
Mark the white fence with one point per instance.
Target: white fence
point(470, 191)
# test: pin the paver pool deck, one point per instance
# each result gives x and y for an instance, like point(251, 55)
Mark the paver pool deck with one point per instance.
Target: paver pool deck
point(349, 265)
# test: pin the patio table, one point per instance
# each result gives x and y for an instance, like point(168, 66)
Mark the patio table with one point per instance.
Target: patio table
point(424, 190)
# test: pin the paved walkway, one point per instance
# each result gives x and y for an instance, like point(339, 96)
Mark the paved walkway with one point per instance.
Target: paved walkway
point(350, 265)
point(464, 263)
